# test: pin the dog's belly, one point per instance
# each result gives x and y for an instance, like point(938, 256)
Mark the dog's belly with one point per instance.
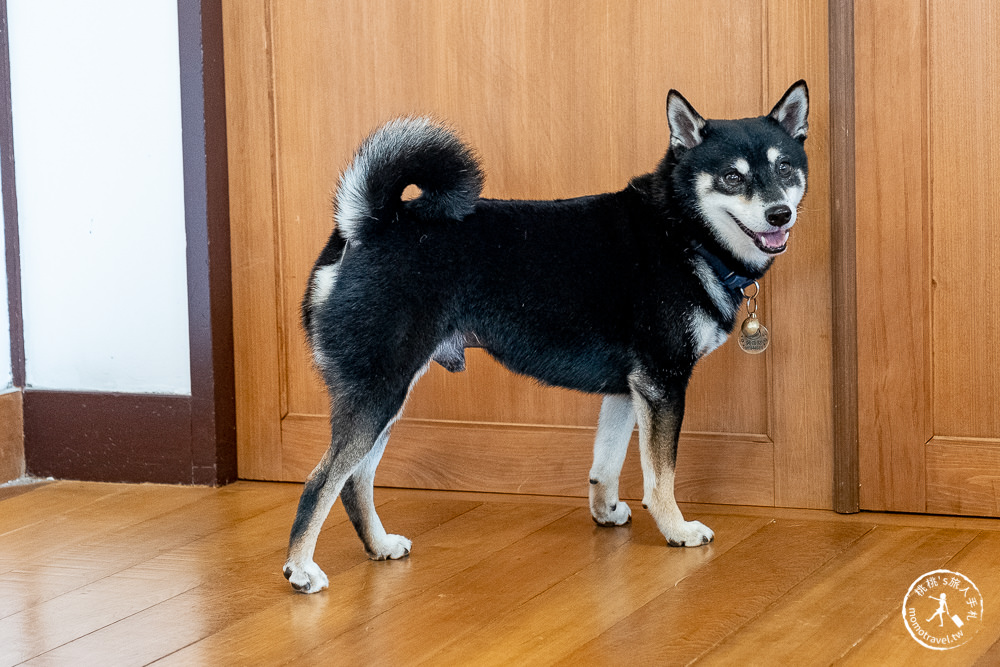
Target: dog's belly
point(592, 369)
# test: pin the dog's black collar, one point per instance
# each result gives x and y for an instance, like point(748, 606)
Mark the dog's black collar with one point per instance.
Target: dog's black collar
point(730, 279)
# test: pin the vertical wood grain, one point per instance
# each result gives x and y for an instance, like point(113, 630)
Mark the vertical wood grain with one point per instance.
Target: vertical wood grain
point(892, 247)
point(800, 315)
point(965, 202)
point(965, 216)
point(561, 99)
point(843, 265)
point(254, 266)
point(926, 240)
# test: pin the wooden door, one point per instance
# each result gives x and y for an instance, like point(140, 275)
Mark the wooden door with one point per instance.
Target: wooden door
point(928, 245)
point(561, 98)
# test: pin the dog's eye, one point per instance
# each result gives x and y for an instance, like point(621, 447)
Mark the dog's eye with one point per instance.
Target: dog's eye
point(784, 168)
point(732, 178)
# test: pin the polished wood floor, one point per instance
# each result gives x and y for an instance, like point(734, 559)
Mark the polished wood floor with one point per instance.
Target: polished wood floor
point(107, 574)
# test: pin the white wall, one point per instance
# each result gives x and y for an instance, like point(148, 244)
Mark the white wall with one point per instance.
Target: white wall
point(97, 143)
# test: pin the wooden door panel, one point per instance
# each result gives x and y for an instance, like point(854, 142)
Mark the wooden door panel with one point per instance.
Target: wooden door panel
point(561, 99)
point(891, 216)
point(963, 456)
point(255, 263)
point(537, 140)
point(928, 246)
point(965, 210)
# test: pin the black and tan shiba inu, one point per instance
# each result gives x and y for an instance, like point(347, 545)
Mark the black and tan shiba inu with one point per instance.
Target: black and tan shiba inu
point(617, 294)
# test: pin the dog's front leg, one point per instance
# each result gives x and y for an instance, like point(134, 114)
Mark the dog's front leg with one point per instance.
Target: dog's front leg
point(659, 412)
point(614, 430)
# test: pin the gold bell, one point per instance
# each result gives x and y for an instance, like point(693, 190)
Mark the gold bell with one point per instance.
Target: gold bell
point(751, 326)
point(753, 338)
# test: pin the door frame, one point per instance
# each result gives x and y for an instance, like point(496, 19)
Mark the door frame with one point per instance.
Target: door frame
point(182, 439)
point(843, 256)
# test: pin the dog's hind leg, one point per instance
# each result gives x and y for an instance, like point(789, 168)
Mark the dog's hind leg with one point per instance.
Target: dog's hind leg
point(358, 496)
point(320, 492)
point(360, 429)
point(659, 411)
point(614, 430)
point(354, 437)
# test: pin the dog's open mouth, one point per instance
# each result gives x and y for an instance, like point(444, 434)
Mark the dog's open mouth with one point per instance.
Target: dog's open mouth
point(773, 242)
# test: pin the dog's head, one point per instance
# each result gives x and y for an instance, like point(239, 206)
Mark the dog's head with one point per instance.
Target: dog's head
point(744, 178)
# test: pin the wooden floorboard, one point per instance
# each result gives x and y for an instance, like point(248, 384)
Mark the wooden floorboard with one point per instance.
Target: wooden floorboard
point(142, 574)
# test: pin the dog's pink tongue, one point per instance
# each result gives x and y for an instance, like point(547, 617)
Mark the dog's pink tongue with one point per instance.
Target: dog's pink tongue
point(774, 239)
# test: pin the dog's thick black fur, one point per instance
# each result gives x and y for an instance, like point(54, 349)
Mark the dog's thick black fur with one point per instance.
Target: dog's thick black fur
point(618, 294)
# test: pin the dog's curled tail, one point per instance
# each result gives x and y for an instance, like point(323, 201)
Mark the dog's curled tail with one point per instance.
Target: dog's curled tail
point(403, 152)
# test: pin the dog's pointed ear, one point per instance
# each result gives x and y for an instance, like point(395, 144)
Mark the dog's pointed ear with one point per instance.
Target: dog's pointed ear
point(685, 123)
point(792, 112)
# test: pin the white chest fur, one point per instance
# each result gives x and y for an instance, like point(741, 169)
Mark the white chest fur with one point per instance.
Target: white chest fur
point(705, 332)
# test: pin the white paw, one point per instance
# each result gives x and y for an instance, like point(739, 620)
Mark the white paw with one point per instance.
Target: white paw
point(306, 578)
point(689, 534)
point(616, 515)
point(391, 548)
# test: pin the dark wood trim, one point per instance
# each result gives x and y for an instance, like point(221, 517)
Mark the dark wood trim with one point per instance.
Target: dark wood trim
point(843, 254)
point(206, 204)
point(109, 437)
point(12, 244)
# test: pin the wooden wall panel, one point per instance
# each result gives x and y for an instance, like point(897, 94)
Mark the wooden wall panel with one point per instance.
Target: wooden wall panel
point(892, 224)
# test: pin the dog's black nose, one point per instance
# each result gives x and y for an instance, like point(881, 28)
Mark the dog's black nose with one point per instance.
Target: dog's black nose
point(778, 216)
